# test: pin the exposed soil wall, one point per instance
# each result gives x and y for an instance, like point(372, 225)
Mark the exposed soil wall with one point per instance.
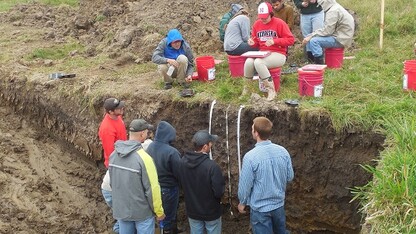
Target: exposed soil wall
point(326, 163)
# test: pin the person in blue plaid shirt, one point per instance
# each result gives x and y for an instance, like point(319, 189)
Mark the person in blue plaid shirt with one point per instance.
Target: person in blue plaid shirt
point(264, 175)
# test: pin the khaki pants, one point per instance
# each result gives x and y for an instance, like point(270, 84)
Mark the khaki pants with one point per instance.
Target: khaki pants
point(179, 73)
point(262, 65)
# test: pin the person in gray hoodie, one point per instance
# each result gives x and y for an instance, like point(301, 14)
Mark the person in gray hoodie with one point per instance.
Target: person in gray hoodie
point(134, 183)
point(338, 30)
point(237, 32)
point(175, 59)
point(166, 157)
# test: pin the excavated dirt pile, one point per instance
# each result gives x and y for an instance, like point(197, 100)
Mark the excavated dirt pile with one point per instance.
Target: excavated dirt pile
point(50, 168)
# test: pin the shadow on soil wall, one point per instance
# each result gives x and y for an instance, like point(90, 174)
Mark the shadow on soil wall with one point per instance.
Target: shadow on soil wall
point(326, 162)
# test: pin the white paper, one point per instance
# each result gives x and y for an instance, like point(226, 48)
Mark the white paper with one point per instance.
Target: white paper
point(256, 54)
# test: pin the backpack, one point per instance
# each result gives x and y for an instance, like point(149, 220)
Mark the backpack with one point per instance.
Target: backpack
point(223, 24)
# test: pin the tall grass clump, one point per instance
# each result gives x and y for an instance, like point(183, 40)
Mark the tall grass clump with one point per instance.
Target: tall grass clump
point(370, 95)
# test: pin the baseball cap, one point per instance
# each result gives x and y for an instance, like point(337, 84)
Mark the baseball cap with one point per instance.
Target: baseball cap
point(110, 104)
point(264, 9)
point(203, 137)
point(138, 125)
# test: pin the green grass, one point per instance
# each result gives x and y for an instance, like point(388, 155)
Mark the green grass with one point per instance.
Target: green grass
point(55, 52)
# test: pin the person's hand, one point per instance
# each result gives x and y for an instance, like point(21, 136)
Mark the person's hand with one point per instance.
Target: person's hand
point(160, 218)
point(188, 79)
point(250, 41)
point(173, 62)
point(241, 208)
point(305, 4)
point(306, 40)
point(269, 42)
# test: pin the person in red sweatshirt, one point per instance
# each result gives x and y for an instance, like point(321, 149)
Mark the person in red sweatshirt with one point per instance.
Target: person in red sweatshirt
point(112, 127)
point(268, 34)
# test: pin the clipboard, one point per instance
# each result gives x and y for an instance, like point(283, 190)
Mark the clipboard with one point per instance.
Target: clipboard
point(256, 54)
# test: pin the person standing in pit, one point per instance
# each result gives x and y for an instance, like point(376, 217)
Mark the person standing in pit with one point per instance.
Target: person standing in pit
point(134, 182)
point(166, 157)
point(203, 185)
point(111, 129)
point(262, 185)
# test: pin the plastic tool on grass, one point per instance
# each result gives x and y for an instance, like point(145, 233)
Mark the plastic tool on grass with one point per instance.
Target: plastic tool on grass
point(292, 102)
point(187, 93)
point(61, 75)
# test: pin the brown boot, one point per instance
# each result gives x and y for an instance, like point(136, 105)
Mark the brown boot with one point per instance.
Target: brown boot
point(269, 85)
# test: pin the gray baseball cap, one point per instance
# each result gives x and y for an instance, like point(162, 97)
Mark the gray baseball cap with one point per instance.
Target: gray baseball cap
point(138, 125)
point(203, 137)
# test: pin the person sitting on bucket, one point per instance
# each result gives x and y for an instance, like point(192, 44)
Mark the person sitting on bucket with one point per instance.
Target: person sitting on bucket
point(175, 59)
point(268, 34)
point(238, 32)
point(337, 32)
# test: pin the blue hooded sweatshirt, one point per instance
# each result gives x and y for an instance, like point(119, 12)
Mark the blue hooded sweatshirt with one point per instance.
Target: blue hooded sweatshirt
point(165, 156)
point(170, 52)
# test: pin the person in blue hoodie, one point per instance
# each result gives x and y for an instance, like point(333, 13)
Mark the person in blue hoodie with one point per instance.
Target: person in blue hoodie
point(175, 59)
point(166, 157)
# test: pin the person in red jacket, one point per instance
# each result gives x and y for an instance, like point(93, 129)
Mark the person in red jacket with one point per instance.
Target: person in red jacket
point(268, 34)
point(112, 127)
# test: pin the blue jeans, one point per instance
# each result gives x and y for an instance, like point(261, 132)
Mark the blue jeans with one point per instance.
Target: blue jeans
point(170, 201)
point(109, 200)
point(142, 227)
point(241, 49)
point(268, 222)
point(317, 45)
point(311, 22)
point(212, 227)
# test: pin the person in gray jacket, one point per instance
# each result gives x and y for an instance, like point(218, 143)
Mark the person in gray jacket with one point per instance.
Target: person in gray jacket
point(238, 32)
point(166, 157)
point(175, 59)
point(134, 183)
point(338, 30)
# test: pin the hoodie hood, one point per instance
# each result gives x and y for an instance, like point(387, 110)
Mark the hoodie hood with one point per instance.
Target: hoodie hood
point(173, 35)
point(124, 148)
point(194, 159)
point(165, 133)
point(326, 4)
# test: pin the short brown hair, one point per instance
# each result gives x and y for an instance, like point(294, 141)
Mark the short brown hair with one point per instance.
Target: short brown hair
point(263, 126)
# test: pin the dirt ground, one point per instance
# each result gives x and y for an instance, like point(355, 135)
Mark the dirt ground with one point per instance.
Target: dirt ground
point(50, 173)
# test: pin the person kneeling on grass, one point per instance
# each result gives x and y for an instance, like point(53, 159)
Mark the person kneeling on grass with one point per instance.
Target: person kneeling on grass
point(175, 59)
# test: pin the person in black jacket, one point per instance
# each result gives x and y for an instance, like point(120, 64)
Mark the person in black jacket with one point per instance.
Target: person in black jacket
point(166, 157)
point(203, 185)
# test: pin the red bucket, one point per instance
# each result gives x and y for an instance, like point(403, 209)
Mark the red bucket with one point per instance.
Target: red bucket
point(205, 66)
point(310, 82)
point(334, 57)
point(236, 65)
point(409, 78)
point(275, 74)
